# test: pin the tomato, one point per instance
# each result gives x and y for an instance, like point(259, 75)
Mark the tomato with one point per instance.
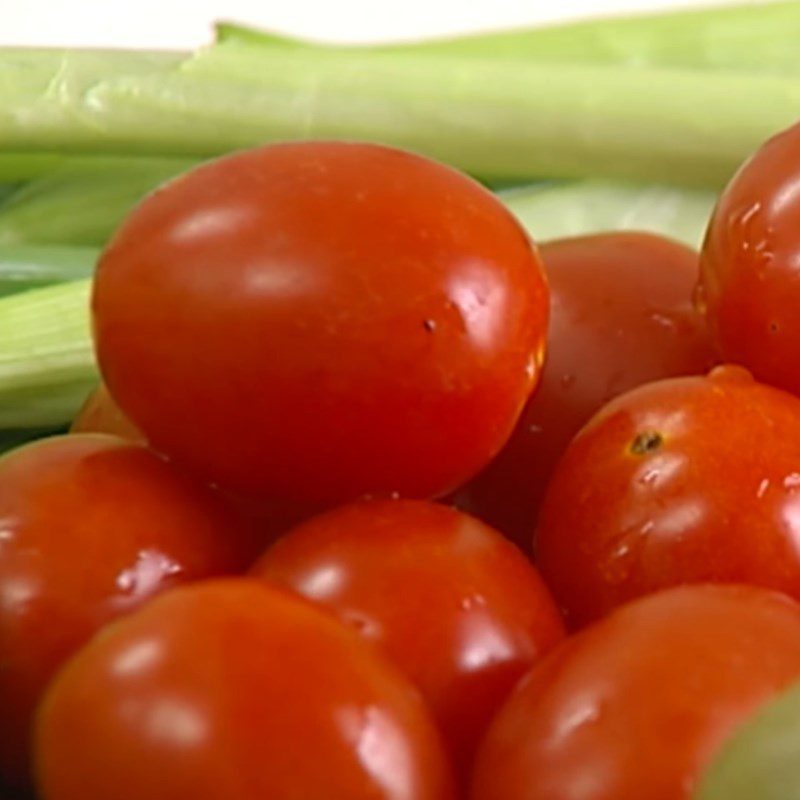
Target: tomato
point(750, 264)
point(621, 317)
point(270, 517)
point(231, 690)
point(636, 705)
point(687, 480)
point(90, 527)
point(456, 606)
point(100, 414)
point(320, 320)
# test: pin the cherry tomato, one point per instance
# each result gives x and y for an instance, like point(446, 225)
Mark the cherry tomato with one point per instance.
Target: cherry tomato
point(456, 606)
point(100, 414)
point(232, 690)
point(621, 316)
point(269, 517)
point(320, 320)
point(686, 480)
point(638, 704)
point(751, 263)
point(90, 527)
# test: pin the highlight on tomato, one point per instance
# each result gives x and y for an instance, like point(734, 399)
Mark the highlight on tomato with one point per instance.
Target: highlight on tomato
point(638, 704)
point(686, 480)
point(91, 527)
point(456, 606)
point(316, 321)
point(233, 689)
point(621, 316)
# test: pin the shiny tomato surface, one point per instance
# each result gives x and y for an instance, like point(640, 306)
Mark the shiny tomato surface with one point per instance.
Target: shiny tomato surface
point(90, 527)
point(621, 316)
point(456, 606)
point(637, 705)
point(232, 690)
point(750, 266)
point(100, 414)
point(320, 320)
point(688, 480)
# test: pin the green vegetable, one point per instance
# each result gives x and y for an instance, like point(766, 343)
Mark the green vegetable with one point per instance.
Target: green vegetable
point(500, 120)
point(593, 206)
point(81, 200)
point(46, 356)
point(756, 37)
point(25, 267)
point(762, 759)
point(496, 120)
point(46, 95)
point(46, 360)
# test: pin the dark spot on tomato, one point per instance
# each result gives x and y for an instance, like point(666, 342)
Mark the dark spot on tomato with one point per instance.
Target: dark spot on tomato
point(646, 442)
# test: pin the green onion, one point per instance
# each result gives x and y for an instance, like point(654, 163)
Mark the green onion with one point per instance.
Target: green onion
point(498, 120)
point(46, 360)
point(25, 267)
point(17, 167)
point(45, 102)
point(586, 207)
point(46, 356)
point(82, 200)
point(761, 759)
point(756, 37)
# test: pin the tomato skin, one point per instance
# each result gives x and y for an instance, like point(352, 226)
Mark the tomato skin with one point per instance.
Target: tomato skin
point(232, 690)
point(90, 527)
point(337, 319)
point(621, 316)
point(456, 606)
point(687, 480)
point(100, 414)
point(750, 265)
point(269, 519)
point(638, 704)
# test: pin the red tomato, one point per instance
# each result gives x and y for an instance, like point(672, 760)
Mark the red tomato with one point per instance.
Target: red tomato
point(621, 317)
point(100, 414)
point(687, 480)
point(455, 605)
point(235, 691)
point(637, 705)
point(271, 518)
point(750, 265)
point(90, 527)
point(320, 320)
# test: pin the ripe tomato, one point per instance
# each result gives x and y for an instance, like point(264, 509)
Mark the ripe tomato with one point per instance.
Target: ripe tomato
point(455, 605)
point(90, 527)
point(686, 480)
point(638, 704)
point(751, 262)
point(320, 320)
point(269, 517)
point(231, 690)
point(621, 316)
point(100, 414)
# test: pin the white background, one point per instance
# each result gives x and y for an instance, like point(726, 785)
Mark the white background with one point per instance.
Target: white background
point(183, 23)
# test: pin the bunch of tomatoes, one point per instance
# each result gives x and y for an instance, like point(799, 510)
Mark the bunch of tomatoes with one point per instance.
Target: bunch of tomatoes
point(378, 500)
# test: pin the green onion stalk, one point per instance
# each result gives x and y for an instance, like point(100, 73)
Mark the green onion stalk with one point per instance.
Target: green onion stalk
point(751, 37)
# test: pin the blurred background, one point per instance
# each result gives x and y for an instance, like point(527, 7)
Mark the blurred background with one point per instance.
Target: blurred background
point(181, 24)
